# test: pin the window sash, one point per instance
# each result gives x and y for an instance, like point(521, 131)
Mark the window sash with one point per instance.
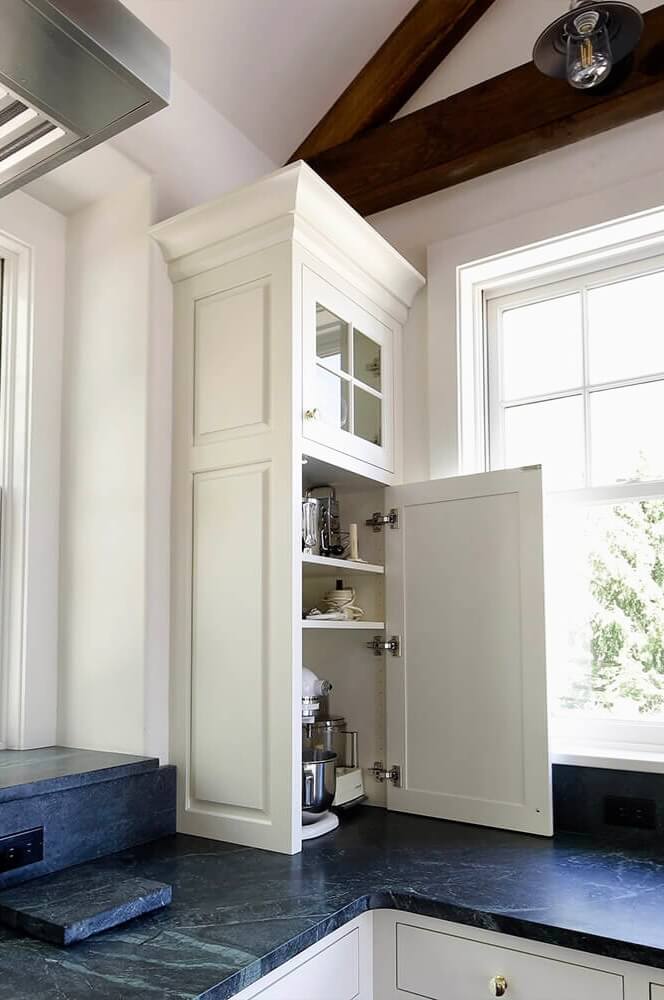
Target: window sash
point(583, 732)
point(495, 305)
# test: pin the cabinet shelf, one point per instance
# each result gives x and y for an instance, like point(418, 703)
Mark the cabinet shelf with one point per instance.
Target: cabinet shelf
point(324, 566)
point(326, 624)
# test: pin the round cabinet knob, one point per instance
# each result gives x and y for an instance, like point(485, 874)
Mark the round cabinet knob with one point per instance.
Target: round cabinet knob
point(312, 414)
point(498, 986)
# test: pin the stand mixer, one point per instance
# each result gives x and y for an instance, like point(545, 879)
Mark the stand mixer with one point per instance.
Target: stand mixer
point(332, 777)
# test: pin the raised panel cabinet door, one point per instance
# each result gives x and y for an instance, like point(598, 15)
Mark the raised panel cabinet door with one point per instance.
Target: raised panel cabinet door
point(466, 699)
point(235, 726)
point(348, 390)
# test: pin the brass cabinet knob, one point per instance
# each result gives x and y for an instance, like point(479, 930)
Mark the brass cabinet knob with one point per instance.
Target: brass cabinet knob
point(498, 986)
point(312, 414)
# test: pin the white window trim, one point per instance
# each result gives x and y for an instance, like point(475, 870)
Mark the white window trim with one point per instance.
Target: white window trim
point(636, 238)
point(15, 398)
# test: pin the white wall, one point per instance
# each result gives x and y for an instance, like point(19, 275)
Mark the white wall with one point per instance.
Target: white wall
point(193, 153)
point(34, 678)
point(594, 181)
point(109, 365)
point(115, 583)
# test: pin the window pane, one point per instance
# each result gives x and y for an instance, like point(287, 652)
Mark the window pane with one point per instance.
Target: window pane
point(332, 398)
point(606, 610)
point(550, 434)
point(368, 416)
point(366, 360)
point(542, 347)
point(332, 344)
point(626, 329)
point(627, 442)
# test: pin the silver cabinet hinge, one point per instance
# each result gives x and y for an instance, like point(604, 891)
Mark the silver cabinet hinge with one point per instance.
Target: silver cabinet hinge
point(381, 774)
point(380, 646)
point(378, 520)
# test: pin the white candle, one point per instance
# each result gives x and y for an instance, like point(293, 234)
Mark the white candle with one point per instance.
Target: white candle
point(354, 550)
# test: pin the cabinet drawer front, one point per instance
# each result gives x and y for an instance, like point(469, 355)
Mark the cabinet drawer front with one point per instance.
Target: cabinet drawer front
point(656, 992)
point(332, 974)
point(443, 967)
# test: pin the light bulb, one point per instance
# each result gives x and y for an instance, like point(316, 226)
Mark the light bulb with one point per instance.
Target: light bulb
point(589, 56)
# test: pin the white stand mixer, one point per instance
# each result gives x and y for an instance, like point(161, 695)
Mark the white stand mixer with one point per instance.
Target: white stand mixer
point(331, 775)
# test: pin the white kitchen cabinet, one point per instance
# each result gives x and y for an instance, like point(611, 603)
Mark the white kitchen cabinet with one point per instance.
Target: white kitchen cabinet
point(456, 709)
point(392, 955)
point(441, 960)
point(337, 968)
point(340, 967)
point(348, 375)
point(244, 269)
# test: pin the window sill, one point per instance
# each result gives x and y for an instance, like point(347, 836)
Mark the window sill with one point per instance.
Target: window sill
point(610, 758)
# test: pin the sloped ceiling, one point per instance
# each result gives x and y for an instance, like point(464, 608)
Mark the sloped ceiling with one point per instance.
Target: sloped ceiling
point(271, 67)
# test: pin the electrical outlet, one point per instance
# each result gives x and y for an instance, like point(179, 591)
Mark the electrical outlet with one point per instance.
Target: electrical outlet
point(624, 811)
point(20, 849)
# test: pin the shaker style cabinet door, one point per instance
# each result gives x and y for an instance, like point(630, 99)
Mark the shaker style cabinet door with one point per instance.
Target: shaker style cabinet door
point(348, 390)
point(466, 699)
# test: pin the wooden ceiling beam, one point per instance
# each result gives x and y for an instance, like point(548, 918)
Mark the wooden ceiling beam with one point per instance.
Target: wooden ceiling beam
point(512, 117)
point(409, 56)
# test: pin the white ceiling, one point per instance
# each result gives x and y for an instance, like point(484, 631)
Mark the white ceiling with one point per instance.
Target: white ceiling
point(271, 67)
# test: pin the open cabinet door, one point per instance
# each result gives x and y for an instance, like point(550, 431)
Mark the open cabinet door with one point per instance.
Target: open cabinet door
point(466, 699)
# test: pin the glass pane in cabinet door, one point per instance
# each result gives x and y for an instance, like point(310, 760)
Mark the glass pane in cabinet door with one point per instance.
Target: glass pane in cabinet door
point(368, 416)
point(366, 360)
point(332, 340)
point(332, 399)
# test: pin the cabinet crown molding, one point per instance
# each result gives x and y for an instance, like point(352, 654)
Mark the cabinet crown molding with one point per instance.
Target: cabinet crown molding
point(294, 194)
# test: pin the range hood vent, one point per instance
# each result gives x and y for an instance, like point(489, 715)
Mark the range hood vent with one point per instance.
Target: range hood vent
point(72, 74)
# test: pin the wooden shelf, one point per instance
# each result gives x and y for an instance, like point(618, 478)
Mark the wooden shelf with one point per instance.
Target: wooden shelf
point(324, 566)
point(326, 624)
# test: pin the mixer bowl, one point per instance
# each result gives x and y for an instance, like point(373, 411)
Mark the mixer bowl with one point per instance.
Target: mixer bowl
point(319, 782)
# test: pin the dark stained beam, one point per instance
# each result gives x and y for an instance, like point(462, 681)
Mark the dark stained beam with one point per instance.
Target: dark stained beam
point(409, 56)
point(512, 117)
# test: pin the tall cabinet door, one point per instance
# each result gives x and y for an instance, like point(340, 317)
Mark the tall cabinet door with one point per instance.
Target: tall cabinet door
point(466, 700)
point(235, 727)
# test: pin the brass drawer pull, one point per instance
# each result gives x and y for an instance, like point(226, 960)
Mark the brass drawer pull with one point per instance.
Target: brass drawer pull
point(498, 986)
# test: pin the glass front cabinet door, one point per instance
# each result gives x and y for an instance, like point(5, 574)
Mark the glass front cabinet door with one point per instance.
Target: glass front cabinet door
point(347, 375)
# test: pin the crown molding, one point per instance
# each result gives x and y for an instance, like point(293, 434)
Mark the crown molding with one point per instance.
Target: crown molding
point(268, 211)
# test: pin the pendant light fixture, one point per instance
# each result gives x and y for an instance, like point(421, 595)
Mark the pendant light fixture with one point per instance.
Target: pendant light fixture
point(585, 44)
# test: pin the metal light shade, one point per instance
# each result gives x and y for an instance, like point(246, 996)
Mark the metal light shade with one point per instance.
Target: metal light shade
point(624, 25)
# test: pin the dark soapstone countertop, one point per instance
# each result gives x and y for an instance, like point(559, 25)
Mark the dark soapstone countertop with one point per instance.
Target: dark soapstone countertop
point(75, 904)
point(24, 773)
point(238, 913)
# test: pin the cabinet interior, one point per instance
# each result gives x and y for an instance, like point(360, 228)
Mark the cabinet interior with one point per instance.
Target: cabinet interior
point(341, 655)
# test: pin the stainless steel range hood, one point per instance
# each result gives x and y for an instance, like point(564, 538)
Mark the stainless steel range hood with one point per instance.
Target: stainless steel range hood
point(72, 73)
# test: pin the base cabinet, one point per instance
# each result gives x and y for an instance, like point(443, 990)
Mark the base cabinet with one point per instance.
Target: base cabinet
point(438, 960)
point(389, 955)
point(337, 968)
